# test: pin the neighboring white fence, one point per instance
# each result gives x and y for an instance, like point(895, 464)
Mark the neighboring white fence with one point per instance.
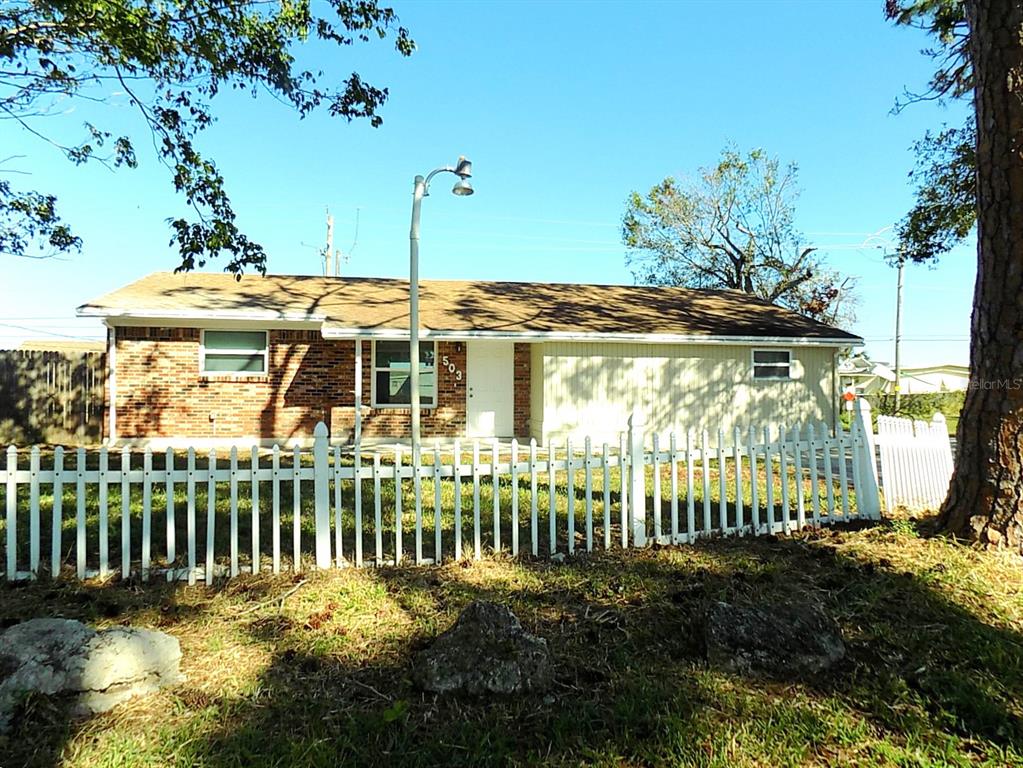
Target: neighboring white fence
point(764, 484)
point(916, 461)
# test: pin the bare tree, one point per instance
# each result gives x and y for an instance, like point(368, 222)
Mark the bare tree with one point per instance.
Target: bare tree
point(733, 227)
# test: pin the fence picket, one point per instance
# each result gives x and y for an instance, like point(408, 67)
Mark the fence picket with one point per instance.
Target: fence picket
point(754, 475)
point(80, 551)
point(673, 466)
point(276, 508)
point(357, 496)
point(104, 515)
point(737, 462)
point(769, 477)
point(125, 514)
point(57, 513)
point(33, 511)
point(477, 543)
point(437, 541)
point(296, 514)
point(843, 479)
point(828, 474)
point(12, 515)
point(417, 489)
point(399, 546)
point(190, 516)
point(815, 495)
point(211, 515)
point(800, 484)
point(147, 512)
point(705, 465)
point(339, 537)
point(783, 471)
point(656, 512)
point(690, 491)
point(722, 484)
point(254, 515)
point(495, 485)
point(552, 496)
point(857, 486)
point(378, 512)
point(234, 511)
point(570, 495)
point(534, 525)
point(515, 496)
point(588, 492)
point(458, 499)
point(169, 521)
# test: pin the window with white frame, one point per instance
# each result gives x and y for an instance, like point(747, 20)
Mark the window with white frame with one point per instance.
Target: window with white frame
point(234, 353)
point(392, 387)
point(772, 364)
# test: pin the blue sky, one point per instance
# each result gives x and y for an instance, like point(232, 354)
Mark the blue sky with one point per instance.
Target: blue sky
point(564, 108)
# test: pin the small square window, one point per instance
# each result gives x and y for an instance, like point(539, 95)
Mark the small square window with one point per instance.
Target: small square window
point(240, 353)
point(772, 364)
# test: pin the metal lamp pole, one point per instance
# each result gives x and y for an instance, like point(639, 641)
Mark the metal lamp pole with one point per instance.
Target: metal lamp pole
point(462, 188)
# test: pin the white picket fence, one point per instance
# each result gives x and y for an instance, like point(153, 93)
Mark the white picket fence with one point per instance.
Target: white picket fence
point(801, 476)
point(916, 461)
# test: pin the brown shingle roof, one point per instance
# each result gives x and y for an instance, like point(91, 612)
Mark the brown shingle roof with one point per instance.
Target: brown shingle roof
point(379, 304)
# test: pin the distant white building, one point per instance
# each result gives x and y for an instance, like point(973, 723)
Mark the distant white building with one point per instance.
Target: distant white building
point(934, 378)
point(866, 377)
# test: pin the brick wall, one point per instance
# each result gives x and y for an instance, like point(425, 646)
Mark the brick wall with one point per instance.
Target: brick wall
point(161, 393)
point(521, 390)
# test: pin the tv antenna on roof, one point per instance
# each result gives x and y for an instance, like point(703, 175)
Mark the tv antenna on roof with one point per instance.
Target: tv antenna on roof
point(333, 258)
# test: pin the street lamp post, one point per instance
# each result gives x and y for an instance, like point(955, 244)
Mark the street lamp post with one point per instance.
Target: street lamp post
point(462, 188)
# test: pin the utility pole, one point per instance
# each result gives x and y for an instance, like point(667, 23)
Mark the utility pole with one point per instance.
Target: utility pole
point(901, 264)
point(329, 257)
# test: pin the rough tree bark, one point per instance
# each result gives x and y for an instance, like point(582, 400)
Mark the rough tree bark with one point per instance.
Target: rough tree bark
point(985, 501)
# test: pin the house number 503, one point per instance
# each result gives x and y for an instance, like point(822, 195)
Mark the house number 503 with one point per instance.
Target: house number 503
point(452, 368)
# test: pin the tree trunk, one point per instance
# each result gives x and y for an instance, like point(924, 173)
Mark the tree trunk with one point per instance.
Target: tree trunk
point(985, 501)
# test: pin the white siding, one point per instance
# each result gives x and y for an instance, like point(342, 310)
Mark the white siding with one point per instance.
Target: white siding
point(590, 388)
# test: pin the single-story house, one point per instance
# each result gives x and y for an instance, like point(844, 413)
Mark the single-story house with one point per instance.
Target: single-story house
point(208, 357)
point(867, 377)
point(863, 376)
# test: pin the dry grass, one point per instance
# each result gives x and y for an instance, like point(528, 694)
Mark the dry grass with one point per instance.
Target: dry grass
point(321, 677)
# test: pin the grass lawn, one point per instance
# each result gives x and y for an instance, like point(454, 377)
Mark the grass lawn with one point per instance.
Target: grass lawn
point(934, 673)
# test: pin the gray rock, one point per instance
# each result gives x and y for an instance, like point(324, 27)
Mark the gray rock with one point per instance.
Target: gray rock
point(780, 639)
point(486, 651)
point(96, 670)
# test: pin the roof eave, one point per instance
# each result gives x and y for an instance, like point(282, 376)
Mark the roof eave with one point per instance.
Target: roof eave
point(330, 332)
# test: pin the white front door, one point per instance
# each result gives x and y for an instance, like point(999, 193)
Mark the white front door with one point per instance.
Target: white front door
point(490, 400)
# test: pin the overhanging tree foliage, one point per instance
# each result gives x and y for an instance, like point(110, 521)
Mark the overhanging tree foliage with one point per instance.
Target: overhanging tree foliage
point(733, 227)
point(945, 210)
point(171, 59)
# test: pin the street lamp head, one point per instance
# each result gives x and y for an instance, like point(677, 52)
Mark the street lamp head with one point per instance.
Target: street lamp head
point(463, 167)
point(462, 188)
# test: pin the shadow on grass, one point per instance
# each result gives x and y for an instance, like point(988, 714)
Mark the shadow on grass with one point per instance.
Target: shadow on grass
point(926, 678)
